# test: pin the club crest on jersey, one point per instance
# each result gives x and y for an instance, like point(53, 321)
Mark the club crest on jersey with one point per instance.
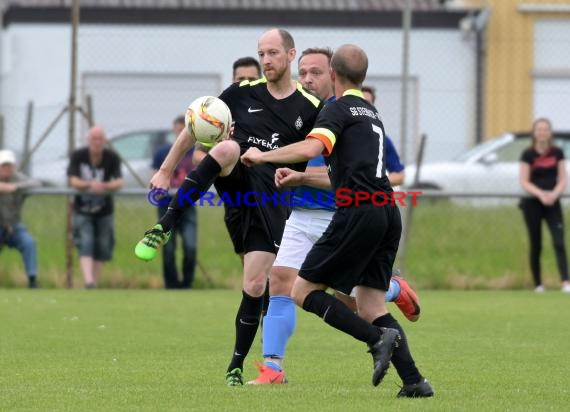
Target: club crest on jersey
point(299, 123)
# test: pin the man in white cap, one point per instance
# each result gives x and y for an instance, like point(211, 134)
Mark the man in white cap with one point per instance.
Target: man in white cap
point(12, 232)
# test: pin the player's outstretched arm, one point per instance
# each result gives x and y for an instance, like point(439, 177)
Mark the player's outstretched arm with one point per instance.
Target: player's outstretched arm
point(288, 177)
point(293, 153)
point(317, 176)
point(183, 143)
point(314, 176)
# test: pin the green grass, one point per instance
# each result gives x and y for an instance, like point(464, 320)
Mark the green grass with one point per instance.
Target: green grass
point(453, 246)
point(450, 247)
point(157, 350)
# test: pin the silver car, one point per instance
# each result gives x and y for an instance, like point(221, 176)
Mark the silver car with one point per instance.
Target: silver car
point(490, 168)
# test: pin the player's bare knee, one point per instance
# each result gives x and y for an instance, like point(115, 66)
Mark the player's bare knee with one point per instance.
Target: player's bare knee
point(281, 281)
point(226, 153)
point(255, 287)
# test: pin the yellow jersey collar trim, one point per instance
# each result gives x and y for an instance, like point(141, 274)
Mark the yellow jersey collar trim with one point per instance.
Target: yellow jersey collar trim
point(313, 99)
point(253, 82)
point(353, 92)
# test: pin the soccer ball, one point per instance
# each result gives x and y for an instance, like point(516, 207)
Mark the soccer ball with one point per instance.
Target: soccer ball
point(209, 119)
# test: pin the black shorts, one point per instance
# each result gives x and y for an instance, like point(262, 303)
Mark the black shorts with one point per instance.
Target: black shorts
point(232, 214)
point(232, 219)
point(358, 248)
point(256, 227)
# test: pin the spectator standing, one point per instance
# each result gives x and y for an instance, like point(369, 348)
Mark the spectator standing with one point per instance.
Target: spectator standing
point(186, 227)
point(95, 171)
point(543, 177)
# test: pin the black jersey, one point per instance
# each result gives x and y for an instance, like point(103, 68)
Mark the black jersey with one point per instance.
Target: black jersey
point(108, 169)
point(354, 140)
point(267, 123)
point(543, 167)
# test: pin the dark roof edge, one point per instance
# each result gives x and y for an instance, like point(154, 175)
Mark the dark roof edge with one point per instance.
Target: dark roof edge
point(311, 18)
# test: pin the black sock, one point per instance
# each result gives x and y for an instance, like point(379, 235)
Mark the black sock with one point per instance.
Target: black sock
point(339, 316)
point(401, 357)
point(247, 322)
point(196, 182)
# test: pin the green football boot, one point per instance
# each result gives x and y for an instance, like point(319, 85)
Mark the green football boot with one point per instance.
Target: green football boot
point(153, 239)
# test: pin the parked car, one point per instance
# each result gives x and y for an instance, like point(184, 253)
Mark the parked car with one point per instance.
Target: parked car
point(135, 148)
point(489, 168)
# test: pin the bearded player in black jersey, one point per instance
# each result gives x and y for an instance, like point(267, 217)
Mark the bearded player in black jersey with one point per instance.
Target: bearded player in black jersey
point(360, 244)
point(269, 113)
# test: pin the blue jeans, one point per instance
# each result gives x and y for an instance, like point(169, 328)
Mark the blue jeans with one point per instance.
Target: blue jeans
point(20, 239)
point(186, 227)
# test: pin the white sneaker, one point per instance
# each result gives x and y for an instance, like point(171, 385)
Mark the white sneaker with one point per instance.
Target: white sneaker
point(539, 289)
point(566, 288)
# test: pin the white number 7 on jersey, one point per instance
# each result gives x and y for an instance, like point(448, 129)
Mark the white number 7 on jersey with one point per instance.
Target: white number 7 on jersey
point(378, 131)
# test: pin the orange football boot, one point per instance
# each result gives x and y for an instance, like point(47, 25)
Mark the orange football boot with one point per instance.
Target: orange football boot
point(407, 301)
point(268, 376)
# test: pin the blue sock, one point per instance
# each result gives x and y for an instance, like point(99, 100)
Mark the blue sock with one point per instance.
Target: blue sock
point(273, 366)
point(393, 291)
point(278, 327)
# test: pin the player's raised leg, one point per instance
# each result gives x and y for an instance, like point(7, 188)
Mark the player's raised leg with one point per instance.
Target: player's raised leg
point(219, 162)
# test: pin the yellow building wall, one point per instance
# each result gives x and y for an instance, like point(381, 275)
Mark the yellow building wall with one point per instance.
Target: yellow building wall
point(509, 65)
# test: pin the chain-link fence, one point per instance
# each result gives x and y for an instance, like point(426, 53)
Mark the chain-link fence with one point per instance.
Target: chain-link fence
point(453, 243)
point(135, 74)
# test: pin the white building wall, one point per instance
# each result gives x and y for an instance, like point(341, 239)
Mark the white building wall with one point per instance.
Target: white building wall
point(36, 61)
point(552, 71)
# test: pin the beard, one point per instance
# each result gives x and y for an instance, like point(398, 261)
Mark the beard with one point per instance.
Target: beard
point(275, 74)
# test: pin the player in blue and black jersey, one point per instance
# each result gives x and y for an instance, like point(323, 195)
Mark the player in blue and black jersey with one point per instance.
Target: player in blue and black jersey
point(360, 245)
point(312, 211)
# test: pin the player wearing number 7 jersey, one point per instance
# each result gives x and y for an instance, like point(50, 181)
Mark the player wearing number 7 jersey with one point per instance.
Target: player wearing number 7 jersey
point(360, 245)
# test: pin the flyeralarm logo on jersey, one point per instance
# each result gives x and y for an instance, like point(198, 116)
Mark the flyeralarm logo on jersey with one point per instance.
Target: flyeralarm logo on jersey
point(342, 197)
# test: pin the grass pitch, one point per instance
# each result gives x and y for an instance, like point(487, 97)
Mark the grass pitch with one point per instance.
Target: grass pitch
point(155, 350)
